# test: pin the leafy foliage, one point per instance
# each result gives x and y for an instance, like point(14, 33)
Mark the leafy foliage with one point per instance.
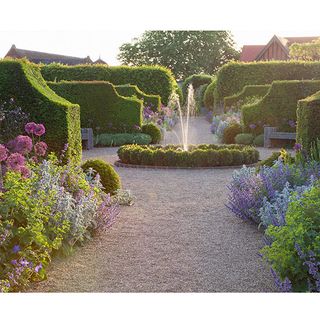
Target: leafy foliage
point(230, 132)
point(305, 51)
point(209, 95)
point(258, 141)
point(153, 131)
point(183, 52)
point(119, 139)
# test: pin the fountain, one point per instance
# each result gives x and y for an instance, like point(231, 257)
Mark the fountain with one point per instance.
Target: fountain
point(189, 111)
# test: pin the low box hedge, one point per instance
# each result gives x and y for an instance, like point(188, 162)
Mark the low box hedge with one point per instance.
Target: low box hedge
point(129, 90)
point(308, 122)
point(278, 108)
point(236, 100)
point(102, 108)
point(22, 81)
point(197, 156)
point(155, 80)
point(233, 76)
point(120, 139)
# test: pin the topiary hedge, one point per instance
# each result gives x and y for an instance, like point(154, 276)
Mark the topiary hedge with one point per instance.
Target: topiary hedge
point(109, 178)
point(233, 76)
point(120, 139)
point(22, 81)
point(196, 80)
point(308, 120)
point(153, 131)
point(197, 156)
point(102, 108)
point(155, 80)
point(236, 100)
point(128, 90)
point(230, 132)
point(209, 95)
point(278, 108)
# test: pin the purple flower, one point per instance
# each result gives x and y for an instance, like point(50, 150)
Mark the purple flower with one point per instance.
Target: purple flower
point(40, 148)
point(14, 262)
point(22, 144)
point(252, 126)
point(16, 248)
point(30, 127)
point(38, 267)
point(39, 130)
point(3, 152)
point(292, 123)
point(25, 172)
point(297, 147)
point(15, 161)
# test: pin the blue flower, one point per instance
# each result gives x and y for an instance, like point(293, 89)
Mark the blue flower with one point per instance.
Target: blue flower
point(16, 248)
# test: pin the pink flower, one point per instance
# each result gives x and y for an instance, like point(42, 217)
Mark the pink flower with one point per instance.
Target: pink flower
point(39, 130)
point(3, 152)
point(34, 159)
point(40, 148)
point(15, 161)
point(30, 127)
point(22, 144)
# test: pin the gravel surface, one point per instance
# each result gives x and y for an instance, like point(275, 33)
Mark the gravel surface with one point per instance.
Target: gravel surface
point(178, 237)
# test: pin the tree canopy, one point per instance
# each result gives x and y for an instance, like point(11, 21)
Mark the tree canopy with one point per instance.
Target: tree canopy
point(184, 52)
point(305, 51)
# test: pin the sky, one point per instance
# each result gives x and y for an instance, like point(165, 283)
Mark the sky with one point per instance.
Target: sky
point(98, 28)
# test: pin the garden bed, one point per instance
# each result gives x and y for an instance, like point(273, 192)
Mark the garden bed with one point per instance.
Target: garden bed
point(204, 155)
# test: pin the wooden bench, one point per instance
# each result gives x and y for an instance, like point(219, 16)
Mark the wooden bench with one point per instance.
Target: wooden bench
point(87, 138)
point(271, 133)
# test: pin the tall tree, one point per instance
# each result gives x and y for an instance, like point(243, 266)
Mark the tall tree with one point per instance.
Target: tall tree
point(305, 51)
point(184, 52)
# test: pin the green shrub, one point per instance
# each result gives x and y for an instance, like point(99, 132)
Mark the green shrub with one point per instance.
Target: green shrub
point(209, 95)
point(269, 162)
point(244, 138)
point(278, 108)
point(196, 156)
point(230, 132)
point(23, 82)
point(102, 109)
point(233, 76)
point(259, 140)
point(196, 80)
point(155, 80)
point(119, 139)
point(128, 90)
point(152, 130)
point(298, 238)
point(199, 96)
point(308, 114)
point(109, 178)
point(241, 98)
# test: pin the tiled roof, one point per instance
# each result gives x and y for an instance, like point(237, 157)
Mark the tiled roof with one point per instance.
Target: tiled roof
point(291, 40)
point(250, 52)
point(43, 57)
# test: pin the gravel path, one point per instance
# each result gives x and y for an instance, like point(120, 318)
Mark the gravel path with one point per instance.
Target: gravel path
point(178, 237)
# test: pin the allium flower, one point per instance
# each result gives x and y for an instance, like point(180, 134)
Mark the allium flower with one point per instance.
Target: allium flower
point(15, 161)
point(25, 172)
point(16, 248)
point(39, 130)
point(252, 126)
point(22, 144)
point(30, 127)
point(40, 148)
point(3, 153)
point(292, 123)
point(297, 147)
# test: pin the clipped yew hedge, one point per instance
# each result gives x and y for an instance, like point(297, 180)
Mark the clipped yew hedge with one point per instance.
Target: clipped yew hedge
point(278, 108)
point(155, 80)
point(128, 90)
point(22, 81)
point(236, 100)
point(308, 122)
point(208, 98)
point(233, 76)
point(196, 80)
point(205, 155)
point(102, 108)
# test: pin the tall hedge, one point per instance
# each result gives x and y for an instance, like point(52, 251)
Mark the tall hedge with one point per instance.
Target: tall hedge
point(196, 80)
point(21, 80)
point(308, 114)
point(128, 90)
point(150, 79)
point(247, 91)
point(102, 108)
point(233, 76)
point(208, 98)
point(278, 108)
